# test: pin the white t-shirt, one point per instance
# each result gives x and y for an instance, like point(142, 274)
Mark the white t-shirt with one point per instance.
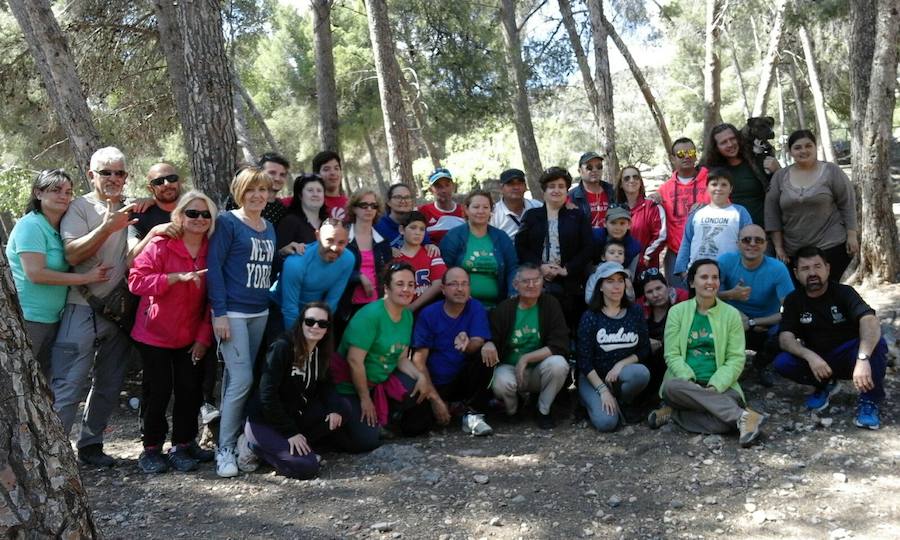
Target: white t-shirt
point(711, 231)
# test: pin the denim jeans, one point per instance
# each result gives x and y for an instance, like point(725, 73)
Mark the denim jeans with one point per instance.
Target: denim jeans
point(239, 354)
point(842, 362)
point(632, 379)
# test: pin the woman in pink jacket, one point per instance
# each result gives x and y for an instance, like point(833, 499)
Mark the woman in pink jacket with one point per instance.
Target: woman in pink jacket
point(648, 219)
point(173, 333)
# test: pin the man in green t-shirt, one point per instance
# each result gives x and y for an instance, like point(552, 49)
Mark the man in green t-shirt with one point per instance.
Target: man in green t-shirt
point(530, 340)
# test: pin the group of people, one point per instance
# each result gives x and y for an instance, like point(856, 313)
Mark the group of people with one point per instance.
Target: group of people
point(342, 320)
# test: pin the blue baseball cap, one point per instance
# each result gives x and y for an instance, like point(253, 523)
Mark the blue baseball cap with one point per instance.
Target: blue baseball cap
point(438, 174)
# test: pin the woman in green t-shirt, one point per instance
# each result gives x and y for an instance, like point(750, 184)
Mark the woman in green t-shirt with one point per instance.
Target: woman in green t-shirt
point(374, 373)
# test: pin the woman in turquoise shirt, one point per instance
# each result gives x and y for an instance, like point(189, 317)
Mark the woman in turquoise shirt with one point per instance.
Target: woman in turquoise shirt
point(37, 260)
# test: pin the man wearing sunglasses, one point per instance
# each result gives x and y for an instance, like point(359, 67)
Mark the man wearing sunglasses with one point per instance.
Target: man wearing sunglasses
point(684, 190)
point(756, 285)
point(164, 184)
point(592, 195)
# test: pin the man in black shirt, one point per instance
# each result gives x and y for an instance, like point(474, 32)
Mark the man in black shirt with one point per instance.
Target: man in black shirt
point(828, 332)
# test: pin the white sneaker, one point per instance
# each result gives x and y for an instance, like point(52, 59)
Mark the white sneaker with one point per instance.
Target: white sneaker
point(208, 413)
point(246, 460)
point(474, 424)
point(225, 464)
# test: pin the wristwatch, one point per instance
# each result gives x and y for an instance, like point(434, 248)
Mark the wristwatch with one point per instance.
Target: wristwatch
point(751, 323)
point(862, 357)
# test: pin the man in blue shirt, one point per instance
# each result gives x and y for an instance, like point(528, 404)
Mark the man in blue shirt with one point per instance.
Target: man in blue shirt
point(447, 340)
point(756, 285)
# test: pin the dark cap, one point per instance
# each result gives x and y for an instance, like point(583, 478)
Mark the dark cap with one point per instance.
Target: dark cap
point(511, 174)
point(618, 212)
point(587, 156)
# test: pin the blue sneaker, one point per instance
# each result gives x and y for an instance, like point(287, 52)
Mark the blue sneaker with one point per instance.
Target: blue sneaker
point(867, 415)
point(818, 400)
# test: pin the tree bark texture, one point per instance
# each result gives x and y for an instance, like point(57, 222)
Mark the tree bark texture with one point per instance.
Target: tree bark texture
point(376, 166)
point(195, 57)
point(272, 145)
point(396, 132)
point(798, 94)
point(711, 71)
point(421, 114)
point(647, 92)
point(54, 61)
point(768, 65)
point(568, 19)
point(879, 253)
point(242, 130)
point(531, 158)
point(818, 98)
point(326, 91)
point(603, 82)
point(42, 495)
point(740, 78)
point(863, 14)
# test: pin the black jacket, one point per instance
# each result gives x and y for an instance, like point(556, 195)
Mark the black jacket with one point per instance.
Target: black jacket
point(552, 323)
point(575, 243)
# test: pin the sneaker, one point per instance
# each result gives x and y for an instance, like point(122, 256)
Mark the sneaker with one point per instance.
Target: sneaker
point(818, 401)
point(545, 421)
point(246, 460)
point(765, 376)
point(867, 415)
point(659, 417)
point(94, 456)
point(748, 424)
point(202, 455)
point(181, 460)
point(226, 467)
point(151, 461)
point(208, 413)
point(474, 424)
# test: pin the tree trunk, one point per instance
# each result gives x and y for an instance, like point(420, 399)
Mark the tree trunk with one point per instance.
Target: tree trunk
point(818, 98)
point(798, 94)
point(863, 14)
point(879, 254)
point(782, 139)
point(603, 82)
point(376, 166)
point(638, 75)
point(195, 57)
point(254, 112)
point(768, 65)
point(415, 102)
point(740, 77)
point(711, 71)
point(242, 131)
point(42, 495)
point(568, 19)
point(54, 61)
point(396, 133)
point(531, 158)
point(326, 92)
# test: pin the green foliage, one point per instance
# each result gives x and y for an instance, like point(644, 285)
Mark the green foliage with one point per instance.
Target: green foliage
point(15, 189)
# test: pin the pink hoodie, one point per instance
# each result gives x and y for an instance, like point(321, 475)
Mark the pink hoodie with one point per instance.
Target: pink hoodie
point(169, 316)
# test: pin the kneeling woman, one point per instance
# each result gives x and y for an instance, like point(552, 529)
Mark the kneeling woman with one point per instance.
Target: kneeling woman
point(293, 407)
point(704, 350)
point(612, 340)
point(374, 373)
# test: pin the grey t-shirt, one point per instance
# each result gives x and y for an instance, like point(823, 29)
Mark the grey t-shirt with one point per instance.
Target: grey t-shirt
point(84, 215)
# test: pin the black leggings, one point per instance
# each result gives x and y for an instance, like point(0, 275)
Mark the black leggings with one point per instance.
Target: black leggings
point(168, 371)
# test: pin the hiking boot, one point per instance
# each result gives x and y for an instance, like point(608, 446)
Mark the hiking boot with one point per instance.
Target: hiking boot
point(545, 421)
point(202, 455)
point(246, 460)
point(867, 415)
point(659, 417)
point(151, 461)
point(94, 456)
point(473, 423)
point(226, 466)
point(749, 425)
point(181, 460)
point(765, 376)
point(208, 413)
point(818, 401)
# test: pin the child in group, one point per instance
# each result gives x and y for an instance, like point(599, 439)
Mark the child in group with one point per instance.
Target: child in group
point(613, 251)
point(713, 229)
point(618, 225)
point(428, 269)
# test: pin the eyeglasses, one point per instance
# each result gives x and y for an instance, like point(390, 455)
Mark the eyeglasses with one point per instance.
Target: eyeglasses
point(681, 154)
point(321, 323)
point(747, 240)
point(530, 281)
point(106, 172)
point(194, 214)
point(367, 205)
point(168, 179)
point(401, 197)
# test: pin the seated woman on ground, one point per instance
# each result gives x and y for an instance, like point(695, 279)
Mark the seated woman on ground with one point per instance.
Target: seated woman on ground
point(294, 407)
point(704, 349)
point(612, 341)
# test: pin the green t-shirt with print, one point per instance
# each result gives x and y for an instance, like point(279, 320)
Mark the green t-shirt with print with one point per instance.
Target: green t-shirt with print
point(701, 349)
point(373, 330)
point(526, 335)
point(481, 264)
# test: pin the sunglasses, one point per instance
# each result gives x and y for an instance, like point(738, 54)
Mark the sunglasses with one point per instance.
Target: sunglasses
point(367, 205)
point(630, 177)
point(106, 172)
point(650, 272)
point(681, 154)
point(167, 179)
point(194, 214)
point(321, 323)
point(753, 240)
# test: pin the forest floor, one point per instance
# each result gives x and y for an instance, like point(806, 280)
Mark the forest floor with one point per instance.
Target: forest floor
point(809, 477)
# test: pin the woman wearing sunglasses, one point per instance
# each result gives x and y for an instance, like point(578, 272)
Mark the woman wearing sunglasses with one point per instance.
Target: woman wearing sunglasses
point(648, 219)
point(173, 333)
point(291, 409)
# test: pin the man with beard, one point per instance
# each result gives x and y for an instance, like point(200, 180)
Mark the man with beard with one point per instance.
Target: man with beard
point(164, 184)
point(829, 333)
